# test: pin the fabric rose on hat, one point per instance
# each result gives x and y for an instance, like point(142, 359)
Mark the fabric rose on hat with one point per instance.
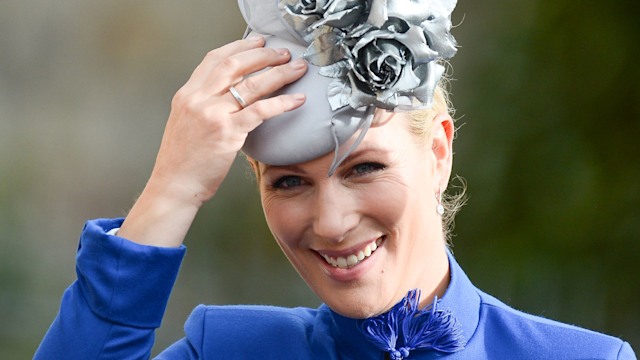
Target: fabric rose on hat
point(381, 53)
point(384, 67)
point(307, 15)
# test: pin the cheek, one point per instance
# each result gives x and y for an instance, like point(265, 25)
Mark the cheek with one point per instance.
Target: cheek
point(282, 219)
point(402, 205)
point(387, 203)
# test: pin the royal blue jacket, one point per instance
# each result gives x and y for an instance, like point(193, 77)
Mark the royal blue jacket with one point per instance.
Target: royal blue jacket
point(119, 298)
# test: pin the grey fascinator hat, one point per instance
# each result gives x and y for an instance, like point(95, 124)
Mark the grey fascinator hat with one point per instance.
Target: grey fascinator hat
point(362, 55)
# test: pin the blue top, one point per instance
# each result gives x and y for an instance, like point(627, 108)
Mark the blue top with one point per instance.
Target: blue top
point(113, 309)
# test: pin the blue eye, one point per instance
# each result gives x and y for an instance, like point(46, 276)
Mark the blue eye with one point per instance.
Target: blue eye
point(287, 182)
point(366, 168)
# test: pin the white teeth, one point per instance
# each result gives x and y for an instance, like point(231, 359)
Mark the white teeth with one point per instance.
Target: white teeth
point(367, 251)
point(353, 259)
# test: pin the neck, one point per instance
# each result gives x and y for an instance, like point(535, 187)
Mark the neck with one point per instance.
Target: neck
point(436, 282)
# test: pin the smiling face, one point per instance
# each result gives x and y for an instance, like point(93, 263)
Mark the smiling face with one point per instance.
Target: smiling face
point(366, 235)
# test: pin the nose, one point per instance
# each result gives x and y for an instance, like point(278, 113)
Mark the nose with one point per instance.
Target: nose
point(334, 212)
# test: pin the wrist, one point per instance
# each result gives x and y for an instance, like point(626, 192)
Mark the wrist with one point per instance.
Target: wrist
point(175, 194)
point(161, 216)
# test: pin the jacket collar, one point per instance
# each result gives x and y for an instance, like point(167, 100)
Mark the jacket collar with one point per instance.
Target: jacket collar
point(460, 297)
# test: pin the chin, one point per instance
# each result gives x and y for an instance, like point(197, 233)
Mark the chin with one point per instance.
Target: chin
point(355, 310)
point(357, 304)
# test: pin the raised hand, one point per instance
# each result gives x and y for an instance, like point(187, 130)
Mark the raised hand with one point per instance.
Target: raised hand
point(207, 127)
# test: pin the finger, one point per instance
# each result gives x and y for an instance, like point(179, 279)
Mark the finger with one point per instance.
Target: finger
point(217, 56)
point(262, 110)
point(264, 84)
point(234, 68)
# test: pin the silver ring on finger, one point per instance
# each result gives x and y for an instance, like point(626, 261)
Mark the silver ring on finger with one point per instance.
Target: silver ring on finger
point(237, 96)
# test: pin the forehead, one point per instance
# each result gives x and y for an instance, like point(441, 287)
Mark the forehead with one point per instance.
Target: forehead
point(391, 130)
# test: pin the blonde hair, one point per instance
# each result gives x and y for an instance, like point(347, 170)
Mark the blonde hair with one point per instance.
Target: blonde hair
point(420, 124)
point(420, 121)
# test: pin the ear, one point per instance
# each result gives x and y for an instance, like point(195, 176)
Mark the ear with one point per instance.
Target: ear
point(442, 147)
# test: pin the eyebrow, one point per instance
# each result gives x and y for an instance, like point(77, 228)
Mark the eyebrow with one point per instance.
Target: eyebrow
point(364, 149)
point(293, 168)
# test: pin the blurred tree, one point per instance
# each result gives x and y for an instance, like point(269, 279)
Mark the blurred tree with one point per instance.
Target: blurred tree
point(554, 167)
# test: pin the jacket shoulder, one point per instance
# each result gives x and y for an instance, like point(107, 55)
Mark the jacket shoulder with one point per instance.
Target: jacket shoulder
point(250, 329)
point(536, 337)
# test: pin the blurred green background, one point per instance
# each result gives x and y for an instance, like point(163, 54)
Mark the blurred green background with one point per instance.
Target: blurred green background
point(547, 100)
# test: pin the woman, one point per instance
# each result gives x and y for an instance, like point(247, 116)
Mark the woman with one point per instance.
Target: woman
point(351, 192)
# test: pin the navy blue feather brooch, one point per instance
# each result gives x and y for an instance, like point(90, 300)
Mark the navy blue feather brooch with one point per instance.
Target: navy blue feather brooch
point(405, 328)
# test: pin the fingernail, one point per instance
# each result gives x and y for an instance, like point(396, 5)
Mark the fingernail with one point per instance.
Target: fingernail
point(299, 97)
point(255, 38)
point(297, 64)
point(283, 51)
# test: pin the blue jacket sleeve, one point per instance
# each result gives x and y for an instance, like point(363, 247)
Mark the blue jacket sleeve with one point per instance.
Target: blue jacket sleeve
point(118, 300)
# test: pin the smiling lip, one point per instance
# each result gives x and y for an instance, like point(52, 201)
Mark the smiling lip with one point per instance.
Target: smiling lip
point(348, 261)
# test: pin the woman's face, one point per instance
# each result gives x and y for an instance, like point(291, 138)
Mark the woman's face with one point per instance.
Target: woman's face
point(366, 235)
